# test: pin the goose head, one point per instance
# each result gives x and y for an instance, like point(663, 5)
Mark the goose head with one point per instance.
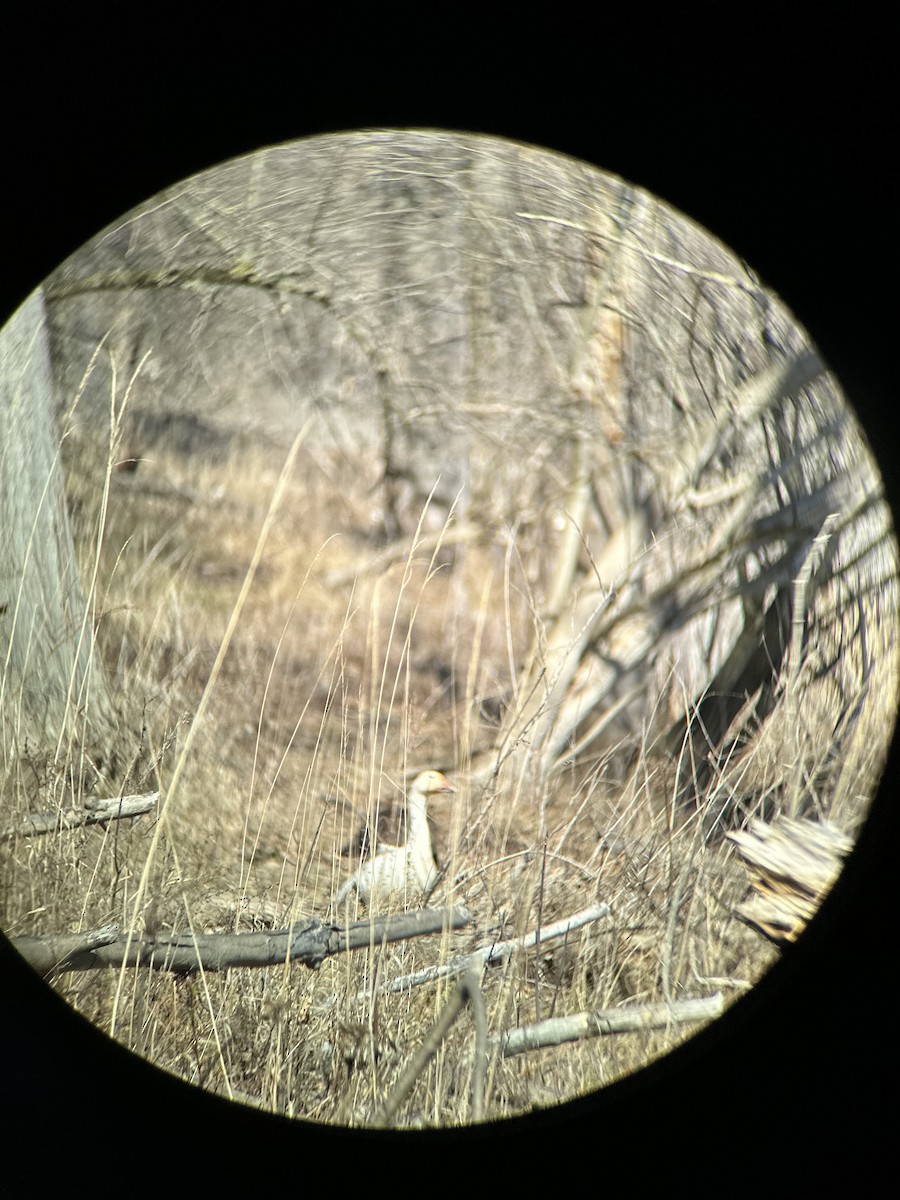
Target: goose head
point(427, 783)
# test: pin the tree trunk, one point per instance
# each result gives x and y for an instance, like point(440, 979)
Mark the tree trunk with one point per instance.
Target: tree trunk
point(51, 685)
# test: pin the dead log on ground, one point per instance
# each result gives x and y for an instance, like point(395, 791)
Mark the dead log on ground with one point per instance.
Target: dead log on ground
point(637, 1017)
point(71, 818)
point(309, 942)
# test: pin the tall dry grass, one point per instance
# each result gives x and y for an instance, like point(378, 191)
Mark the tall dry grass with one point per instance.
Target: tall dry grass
point(275, 691)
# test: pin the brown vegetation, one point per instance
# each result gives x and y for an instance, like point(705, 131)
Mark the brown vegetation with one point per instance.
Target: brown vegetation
point(575, 515)
point(326, 698)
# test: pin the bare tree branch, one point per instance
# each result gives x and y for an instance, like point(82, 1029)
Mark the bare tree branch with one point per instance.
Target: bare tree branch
point(496, 953)
point(558, 1030)
point(468, 990)
point(308, 942)
point(71, 818)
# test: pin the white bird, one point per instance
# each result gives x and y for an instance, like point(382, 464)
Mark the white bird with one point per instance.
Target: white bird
point(393, 871)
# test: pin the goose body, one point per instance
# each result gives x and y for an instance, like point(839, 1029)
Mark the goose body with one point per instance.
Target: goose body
point(394, 871)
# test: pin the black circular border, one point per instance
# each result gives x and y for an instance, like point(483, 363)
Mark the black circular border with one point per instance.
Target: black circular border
point(774, 136)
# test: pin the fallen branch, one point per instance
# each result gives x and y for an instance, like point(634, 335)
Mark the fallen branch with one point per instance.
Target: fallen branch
point(467, 991)
point(308, 942)
point(495, 954)
point(71, 818)
point(558, 1030)
point(59, 952)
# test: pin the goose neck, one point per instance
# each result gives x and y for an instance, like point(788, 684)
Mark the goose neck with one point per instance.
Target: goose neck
point(418, 818)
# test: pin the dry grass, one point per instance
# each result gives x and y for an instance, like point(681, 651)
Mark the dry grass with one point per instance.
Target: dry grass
point(328, 696)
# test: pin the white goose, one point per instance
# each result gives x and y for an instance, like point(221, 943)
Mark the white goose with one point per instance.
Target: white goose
point(394, 871)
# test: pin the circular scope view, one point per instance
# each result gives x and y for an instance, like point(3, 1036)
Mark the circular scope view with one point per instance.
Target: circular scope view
point(447, 632)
